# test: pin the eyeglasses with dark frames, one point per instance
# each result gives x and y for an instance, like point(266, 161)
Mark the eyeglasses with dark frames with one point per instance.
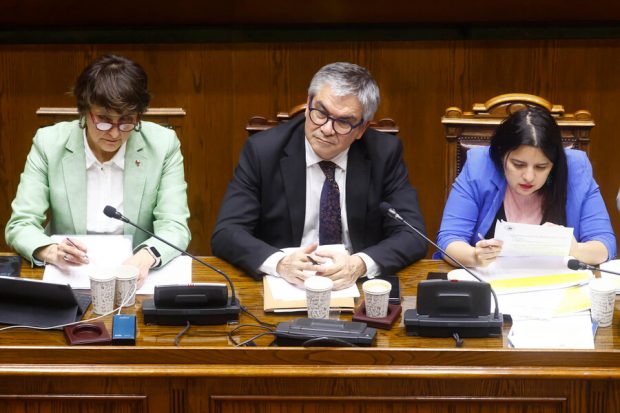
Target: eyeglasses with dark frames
point(107, 125)
point(320, 117)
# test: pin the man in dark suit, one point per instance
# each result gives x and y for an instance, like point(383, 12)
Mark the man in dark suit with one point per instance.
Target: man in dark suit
point(320, 178)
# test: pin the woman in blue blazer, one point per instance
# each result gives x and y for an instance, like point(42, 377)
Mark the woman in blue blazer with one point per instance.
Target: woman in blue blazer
point(525, 176)
point(110, 156)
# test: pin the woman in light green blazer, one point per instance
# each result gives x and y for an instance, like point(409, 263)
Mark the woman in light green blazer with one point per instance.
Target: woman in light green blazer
point(109, 156)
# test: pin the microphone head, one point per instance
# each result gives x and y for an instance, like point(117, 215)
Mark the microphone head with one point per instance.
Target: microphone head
point(110, 211)
point(576, 265)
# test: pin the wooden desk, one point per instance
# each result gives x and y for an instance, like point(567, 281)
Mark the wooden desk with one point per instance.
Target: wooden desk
point(39, 372)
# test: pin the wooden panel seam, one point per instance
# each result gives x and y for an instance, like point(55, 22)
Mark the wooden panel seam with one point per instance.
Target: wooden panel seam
point(196, 370)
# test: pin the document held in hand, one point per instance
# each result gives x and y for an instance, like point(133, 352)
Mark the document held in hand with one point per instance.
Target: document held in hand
point(526, 240)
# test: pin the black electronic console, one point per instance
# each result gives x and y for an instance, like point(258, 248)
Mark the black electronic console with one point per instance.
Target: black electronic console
point(202, 304)
point(448, 307)
point(198, 295)
point(456, 309)
point(324, 332)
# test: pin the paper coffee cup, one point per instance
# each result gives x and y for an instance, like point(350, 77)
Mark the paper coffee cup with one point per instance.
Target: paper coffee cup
point(102, 288)
point(126, 285)
point(318, 296)
point(603, 298)
point(376, 297)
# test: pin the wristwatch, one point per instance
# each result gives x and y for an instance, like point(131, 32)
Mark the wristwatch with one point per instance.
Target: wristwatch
point(155, 254)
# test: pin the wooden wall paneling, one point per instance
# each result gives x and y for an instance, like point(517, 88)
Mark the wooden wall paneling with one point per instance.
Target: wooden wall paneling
point(413, 78)
point(592, 82)
point(221, 85)
point(389, 395)
point(269, 392)
point(208, 73)
point(29, 75)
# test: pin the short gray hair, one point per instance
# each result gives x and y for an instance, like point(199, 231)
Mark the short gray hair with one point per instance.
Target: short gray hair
point(347, 79)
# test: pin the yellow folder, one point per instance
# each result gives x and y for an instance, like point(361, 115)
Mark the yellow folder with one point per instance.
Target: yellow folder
point(541, 282)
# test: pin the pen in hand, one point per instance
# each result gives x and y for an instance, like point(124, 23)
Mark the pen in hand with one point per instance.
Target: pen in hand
point(73, 243)
point(312, 260)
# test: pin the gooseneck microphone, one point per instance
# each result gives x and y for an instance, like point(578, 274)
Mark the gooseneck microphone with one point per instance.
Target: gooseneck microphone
point(111, 212)
point(474, 324)
point(577, 265)
point(387, 210)
point(216, 315)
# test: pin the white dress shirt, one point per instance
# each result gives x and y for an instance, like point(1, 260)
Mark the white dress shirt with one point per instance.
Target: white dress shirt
point(314, 185)
point(104, 186)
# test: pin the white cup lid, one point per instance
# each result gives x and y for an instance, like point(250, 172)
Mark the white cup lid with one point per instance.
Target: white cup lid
point(377, 287)
point(102, 274)
point(126, 272)
point(602, 285)
point(318, 283)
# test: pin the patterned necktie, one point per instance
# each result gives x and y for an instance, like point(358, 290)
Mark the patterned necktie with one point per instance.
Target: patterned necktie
point(330, 220)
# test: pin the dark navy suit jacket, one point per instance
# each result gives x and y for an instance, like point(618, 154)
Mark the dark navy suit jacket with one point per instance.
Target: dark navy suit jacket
point(265, 203)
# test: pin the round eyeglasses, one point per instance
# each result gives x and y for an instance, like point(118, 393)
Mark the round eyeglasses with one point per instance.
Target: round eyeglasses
point(341, 127)
point(107, 125)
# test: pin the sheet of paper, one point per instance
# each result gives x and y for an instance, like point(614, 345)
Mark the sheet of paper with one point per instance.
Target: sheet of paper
point(508, 275)
point(177, 271)
point(103, 250)
point(574, 332)
point(533, 240)
point(544, 304)
point(613, 265)
point(111, 250)
point(515, 267)
point(283, 290)
point(536, 287)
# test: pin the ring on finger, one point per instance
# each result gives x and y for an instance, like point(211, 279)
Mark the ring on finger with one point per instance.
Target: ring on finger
point(66, 257)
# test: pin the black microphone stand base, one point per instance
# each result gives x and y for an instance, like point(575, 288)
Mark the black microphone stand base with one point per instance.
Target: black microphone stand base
point(465, 327)
point(197, 316)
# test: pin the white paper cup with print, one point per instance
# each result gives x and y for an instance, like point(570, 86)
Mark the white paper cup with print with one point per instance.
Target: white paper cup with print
point(102, 288)
point(603, 297)
point(376, 297)
point(318, 296)
point(126, 285)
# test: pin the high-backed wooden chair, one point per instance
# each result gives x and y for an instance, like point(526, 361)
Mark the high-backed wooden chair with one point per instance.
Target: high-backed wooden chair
point(465, 130)
point(260, 123)
point(169, 117)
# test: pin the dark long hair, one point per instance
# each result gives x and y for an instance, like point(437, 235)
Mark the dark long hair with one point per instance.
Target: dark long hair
point(536, 127)
point(113, 82)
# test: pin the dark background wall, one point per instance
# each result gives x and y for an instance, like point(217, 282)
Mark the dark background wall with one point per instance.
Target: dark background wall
point(228, 63)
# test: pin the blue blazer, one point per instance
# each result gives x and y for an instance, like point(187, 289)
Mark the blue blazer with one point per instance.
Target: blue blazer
point(478, 193)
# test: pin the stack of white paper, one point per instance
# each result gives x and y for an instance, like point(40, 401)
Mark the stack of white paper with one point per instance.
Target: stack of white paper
point(614, 266)
point(285, 291)
point(111, 250)
point(574, 332)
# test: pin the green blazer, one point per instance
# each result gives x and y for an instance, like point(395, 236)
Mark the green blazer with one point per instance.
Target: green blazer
point(54, 184)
